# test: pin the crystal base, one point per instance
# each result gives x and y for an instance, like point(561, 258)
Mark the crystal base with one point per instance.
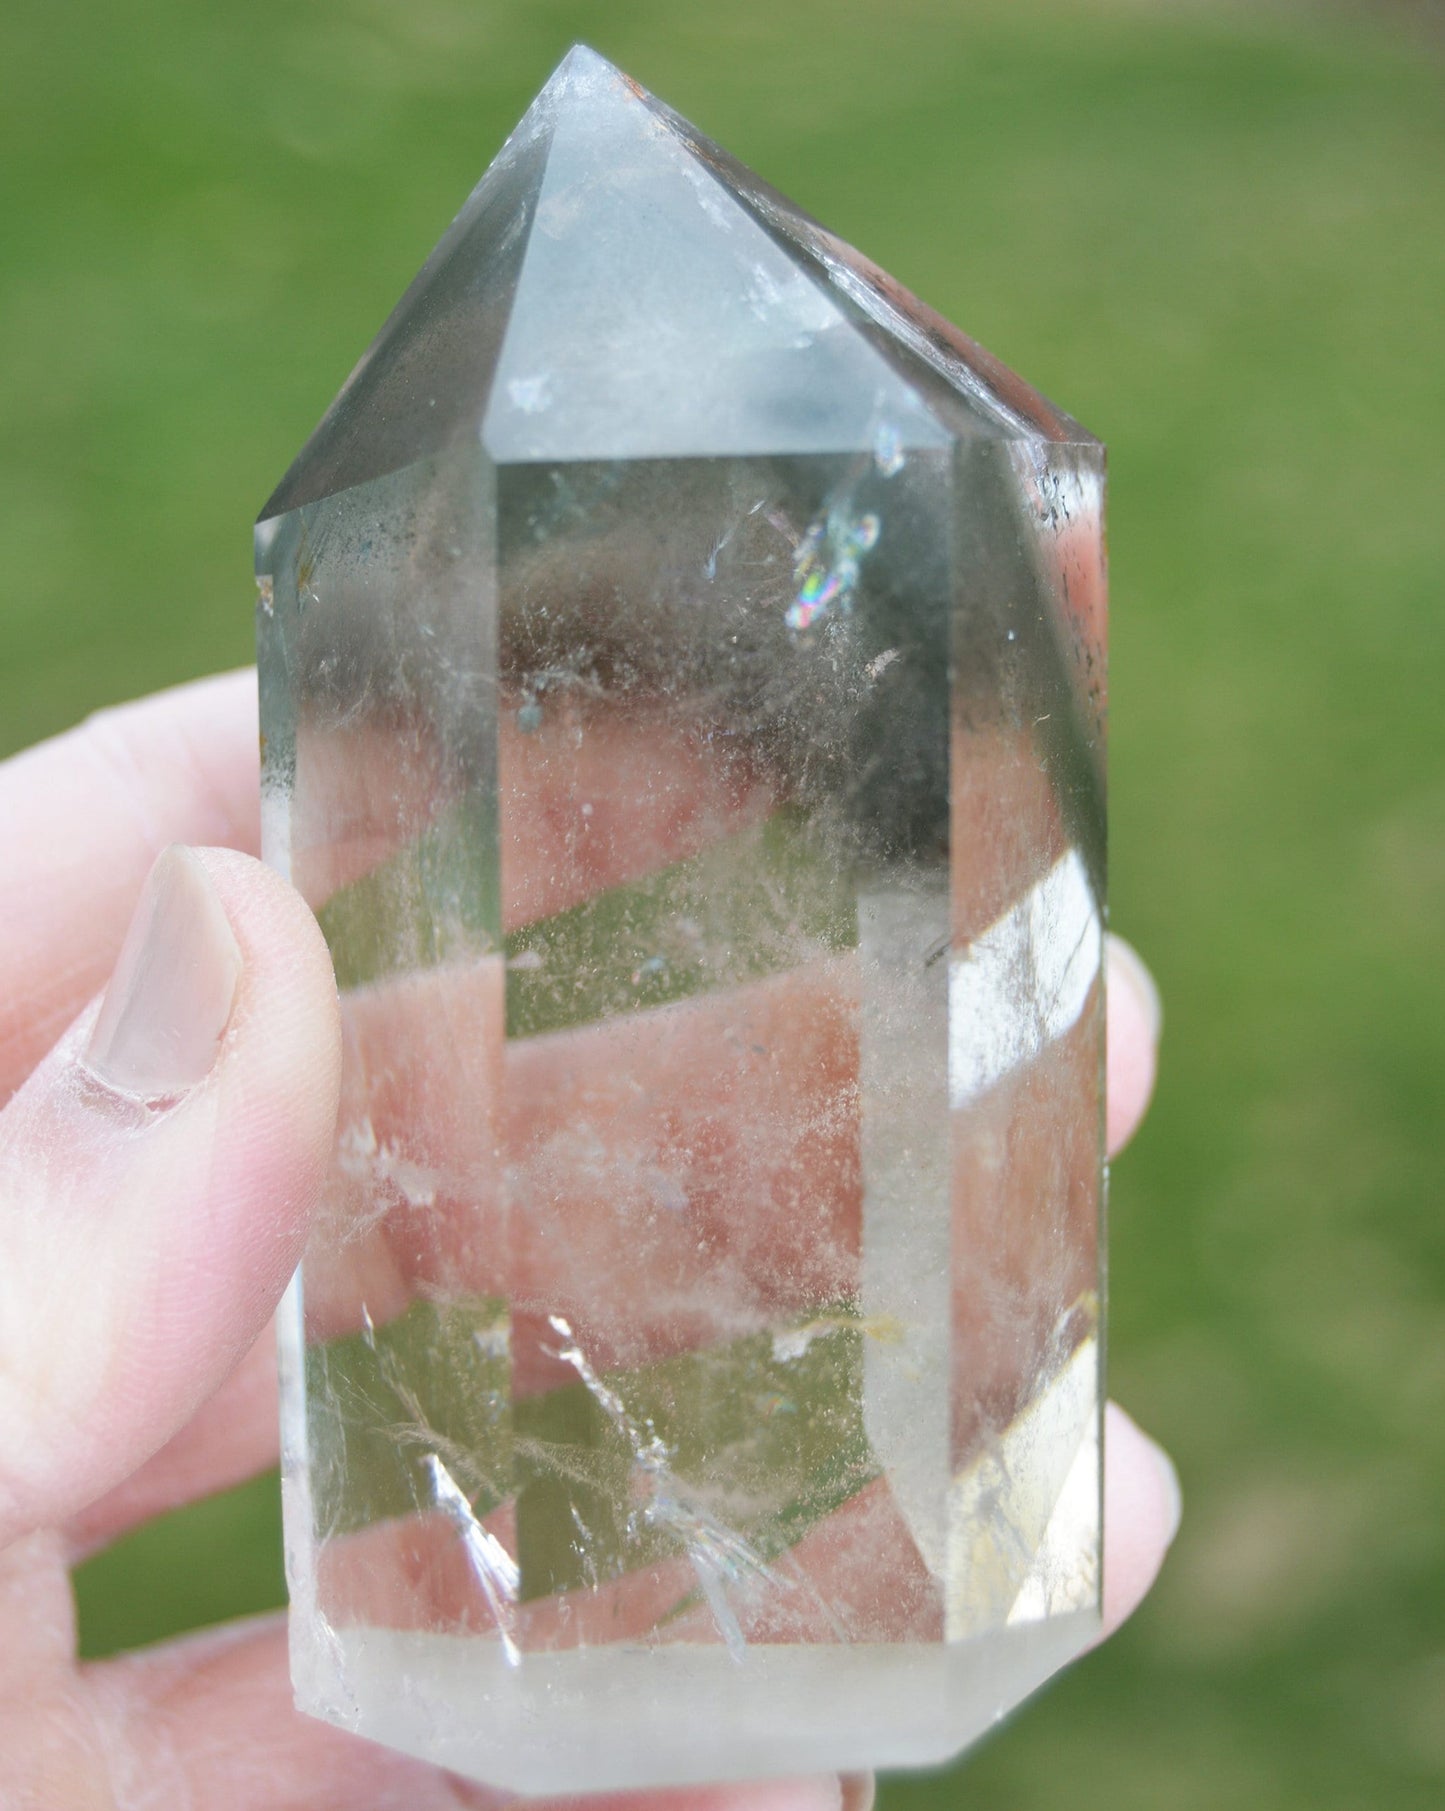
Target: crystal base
point(634, 1719)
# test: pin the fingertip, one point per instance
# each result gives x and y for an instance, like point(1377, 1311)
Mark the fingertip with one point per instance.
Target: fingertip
point(1133, 973)
point(159, 1172)
point(859, 1791)
point(286, 1010)
point(1135, 1019)
point(272, 1114)
point(1143, 1505)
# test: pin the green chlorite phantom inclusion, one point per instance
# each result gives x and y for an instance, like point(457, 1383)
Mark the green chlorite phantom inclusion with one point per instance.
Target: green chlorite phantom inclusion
point(682, 693)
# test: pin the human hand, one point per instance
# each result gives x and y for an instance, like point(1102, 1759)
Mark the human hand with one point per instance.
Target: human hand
point(143, 1248)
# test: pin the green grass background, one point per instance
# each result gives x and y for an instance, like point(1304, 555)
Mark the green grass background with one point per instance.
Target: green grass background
point(1217, 236)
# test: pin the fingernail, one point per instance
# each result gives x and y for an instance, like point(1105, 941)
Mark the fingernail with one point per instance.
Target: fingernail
point(1127, 960)
point(170, 997)
point(859, 1791)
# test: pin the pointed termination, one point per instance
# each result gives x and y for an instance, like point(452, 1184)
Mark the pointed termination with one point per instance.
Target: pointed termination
point(617, 286)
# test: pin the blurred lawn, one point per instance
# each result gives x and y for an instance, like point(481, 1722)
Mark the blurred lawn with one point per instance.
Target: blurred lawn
point(1218, 238)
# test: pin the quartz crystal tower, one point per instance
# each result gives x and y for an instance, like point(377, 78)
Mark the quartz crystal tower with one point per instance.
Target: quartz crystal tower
point(682, 696)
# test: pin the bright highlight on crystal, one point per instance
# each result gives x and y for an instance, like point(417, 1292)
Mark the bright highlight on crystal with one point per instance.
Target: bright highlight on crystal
point(682, 701)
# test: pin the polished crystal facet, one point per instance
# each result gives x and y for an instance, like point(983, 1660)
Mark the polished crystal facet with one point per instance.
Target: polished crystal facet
point(682, 693)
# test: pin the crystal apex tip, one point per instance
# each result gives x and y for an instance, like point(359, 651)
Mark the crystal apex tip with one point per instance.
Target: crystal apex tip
point(584, 68)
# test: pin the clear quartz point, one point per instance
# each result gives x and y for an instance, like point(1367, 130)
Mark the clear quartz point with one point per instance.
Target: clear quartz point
point(682, 679)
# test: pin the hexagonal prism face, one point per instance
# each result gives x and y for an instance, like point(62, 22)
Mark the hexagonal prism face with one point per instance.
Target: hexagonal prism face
point(682, 693)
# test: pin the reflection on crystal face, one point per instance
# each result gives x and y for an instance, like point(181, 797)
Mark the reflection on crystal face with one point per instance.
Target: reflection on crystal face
point(687, 726)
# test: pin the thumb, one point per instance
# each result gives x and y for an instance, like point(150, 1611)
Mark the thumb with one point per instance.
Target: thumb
point(157, 1172)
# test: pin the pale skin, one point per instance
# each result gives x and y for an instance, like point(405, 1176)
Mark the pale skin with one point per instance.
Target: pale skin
point(143, 1249)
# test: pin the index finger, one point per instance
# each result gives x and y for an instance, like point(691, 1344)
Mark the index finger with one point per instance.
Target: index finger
point(82, 819)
